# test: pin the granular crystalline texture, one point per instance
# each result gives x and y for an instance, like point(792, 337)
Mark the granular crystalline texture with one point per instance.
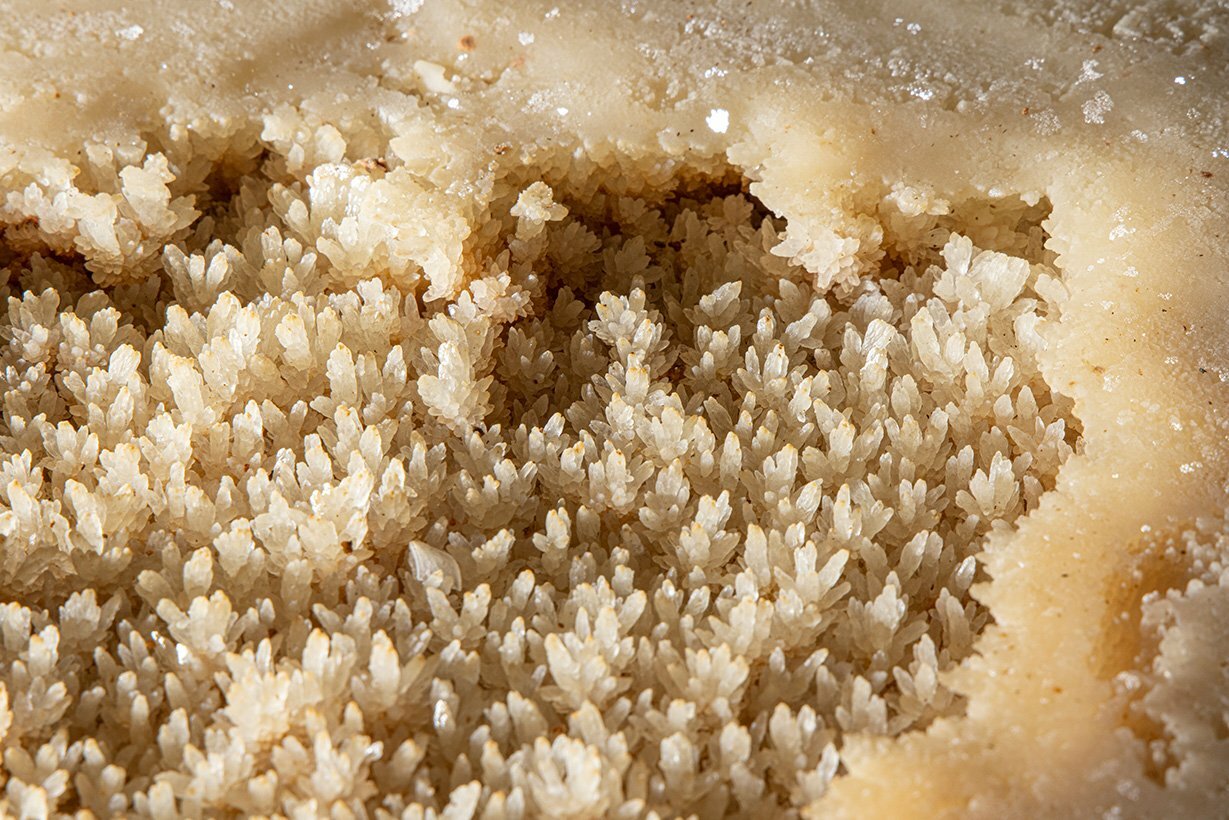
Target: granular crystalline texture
point(637, 520)
point(390, 430)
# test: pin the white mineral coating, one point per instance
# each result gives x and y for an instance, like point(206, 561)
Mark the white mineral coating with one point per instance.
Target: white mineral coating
point(614, 409)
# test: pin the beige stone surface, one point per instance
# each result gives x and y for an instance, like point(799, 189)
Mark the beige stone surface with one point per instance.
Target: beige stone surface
point(1100, 687)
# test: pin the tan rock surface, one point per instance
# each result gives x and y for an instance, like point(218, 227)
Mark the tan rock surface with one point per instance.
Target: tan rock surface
point(1098, 687)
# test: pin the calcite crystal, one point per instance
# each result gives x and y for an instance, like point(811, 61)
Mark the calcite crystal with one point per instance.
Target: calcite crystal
point(637, 409)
